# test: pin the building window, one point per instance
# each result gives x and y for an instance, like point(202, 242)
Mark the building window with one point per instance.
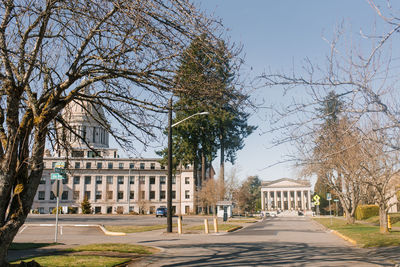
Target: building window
point(99, 165)
point(131, 166)
point(131, 194)
point(142, 166)
point(142, 179)
point(162, 194)
point(173, 194)
point(41, 195)
point(99, 180)
point(131, 179)
point(120, 179)
point(77, 165)
point(121, 166)
point(98, 195)
point(142, 195)
point(93, 154)
point(87, 194)
point(152, 166)
point(173, 180)
point(152, 194)
point(162, 179)
point(109, 180)
point(88, 179)
point(88, 165)
point(187, 180)
point(65, 180)
point(152, 179)
point(162, 167)
point(76, 195)
point(52, 181)
point(77, 179)
point(77, 154)
point(110, 165)
point(187, 194)
point(42, 180)
point(109, 194)
point(52, 196)
point(64, 195)
point(120, 195)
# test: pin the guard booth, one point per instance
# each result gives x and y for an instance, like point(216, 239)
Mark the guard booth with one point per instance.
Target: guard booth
point(224, 209)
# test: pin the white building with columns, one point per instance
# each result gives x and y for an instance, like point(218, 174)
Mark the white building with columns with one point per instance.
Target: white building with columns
point(110, 183)
point(286, 194)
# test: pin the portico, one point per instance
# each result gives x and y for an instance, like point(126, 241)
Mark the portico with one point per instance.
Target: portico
point(286, 194)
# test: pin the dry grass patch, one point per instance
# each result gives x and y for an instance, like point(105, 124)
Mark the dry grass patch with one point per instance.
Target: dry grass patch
point(114, 247)
point(75, 260)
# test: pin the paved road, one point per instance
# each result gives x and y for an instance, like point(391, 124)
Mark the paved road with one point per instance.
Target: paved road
point(290, 241)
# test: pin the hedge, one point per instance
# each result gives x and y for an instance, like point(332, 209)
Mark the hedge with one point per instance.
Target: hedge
point(366, 211)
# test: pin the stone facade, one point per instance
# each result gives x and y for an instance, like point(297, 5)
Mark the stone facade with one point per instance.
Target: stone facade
point(111, 184)
point(286, 194)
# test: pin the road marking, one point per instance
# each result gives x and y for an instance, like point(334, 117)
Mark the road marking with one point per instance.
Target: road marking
point(23, 229)
point(61, 229)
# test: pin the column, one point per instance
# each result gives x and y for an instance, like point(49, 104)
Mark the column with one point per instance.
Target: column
point(309, 200)
point(282, 200)
point(289, 199)
point(275, 200)
point(295, 199)
point(302, 199)
point(268, 199)
point(262, 200)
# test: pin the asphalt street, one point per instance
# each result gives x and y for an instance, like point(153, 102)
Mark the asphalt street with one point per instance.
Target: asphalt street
point(282, 241)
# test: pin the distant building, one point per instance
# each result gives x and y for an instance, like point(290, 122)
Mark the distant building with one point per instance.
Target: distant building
point(111, 184)
point(286, 194)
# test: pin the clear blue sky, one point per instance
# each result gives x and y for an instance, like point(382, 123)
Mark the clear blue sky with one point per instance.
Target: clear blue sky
point(277, 35)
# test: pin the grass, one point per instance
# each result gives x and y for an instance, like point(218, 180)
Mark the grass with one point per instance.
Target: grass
point(221, 227)
point(365, 235)
point(24, 246)
point(114, 247)
point(77, 260)
point(134, 228)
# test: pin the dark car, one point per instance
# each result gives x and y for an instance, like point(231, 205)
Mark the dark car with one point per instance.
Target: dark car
point(162, 212)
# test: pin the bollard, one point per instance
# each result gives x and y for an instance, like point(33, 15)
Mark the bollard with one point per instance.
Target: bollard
point(206, 226)
point(389, 223)
point(215, 225)
point(179, 224)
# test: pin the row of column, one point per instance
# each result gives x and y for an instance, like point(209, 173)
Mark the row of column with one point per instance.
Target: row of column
point(271, 201)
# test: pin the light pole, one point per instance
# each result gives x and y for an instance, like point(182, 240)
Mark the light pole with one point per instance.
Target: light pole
point(169, 182)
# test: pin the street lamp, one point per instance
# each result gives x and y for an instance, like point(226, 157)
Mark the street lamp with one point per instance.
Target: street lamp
point(169, 183)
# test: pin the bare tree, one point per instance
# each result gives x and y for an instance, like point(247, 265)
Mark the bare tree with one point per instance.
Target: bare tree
point(209, 194)
point(117, 55)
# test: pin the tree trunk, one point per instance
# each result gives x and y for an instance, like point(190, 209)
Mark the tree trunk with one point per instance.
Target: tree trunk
point(222, 169)
point(203, 168)
point(383, 223)
point(196, 187)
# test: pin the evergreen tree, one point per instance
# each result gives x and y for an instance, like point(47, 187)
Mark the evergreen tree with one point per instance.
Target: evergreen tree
point(86, 206)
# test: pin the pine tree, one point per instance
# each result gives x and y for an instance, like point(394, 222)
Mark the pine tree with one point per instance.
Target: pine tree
point(86, 206)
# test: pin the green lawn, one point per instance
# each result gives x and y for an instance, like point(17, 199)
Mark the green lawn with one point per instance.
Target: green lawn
point(114, 247)
point(75, 260)
point(221, 227)
point(365, 235)
point(134, 228)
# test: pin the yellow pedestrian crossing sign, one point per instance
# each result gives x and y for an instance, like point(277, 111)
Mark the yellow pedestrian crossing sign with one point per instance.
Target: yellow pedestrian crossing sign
point(316, 199)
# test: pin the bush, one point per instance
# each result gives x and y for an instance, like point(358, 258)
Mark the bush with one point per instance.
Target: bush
point(55, 210)
point(366, 211)
point(86, 207)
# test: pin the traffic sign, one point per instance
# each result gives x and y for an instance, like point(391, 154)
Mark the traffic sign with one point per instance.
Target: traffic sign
point(336, 200)
point(56, 176)
point(57, 188)
point(60, 164)
point(328, 196)
point(316, 199)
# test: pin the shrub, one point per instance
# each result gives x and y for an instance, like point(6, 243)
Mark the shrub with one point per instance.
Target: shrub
point(86, 207)
point(59, 210)
point(366, 211)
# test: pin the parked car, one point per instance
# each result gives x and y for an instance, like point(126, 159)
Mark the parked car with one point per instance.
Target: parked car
point(162, 212)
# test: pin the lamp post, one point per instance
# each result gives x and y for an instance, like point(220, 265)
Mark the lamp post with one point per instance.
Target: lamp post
point(169, 182)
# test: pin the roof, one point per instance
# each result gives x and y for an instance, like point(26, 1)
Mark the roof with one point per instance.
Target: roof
point(286, 182)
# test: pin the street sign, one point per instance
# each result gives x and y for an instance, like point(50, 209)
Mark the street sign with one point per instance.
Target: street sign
point(316, 199)
point(328, 196)
point(58, 192)
point(56, 176)
point(60, 164)
point(336, 200)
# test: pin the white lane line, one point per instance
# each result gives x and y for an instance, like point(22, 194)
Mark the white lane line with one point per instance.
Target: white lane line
point(23, 229)
point(61, 230)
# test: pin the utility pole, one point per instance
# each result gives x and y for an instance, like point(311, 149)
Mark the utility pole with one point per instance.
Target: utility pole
point(169, 182)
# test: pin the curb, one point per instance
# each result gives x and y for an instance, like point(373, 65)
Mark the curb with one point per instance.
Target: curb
point(106, 232)
point(348, 239)
point(234, 229)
